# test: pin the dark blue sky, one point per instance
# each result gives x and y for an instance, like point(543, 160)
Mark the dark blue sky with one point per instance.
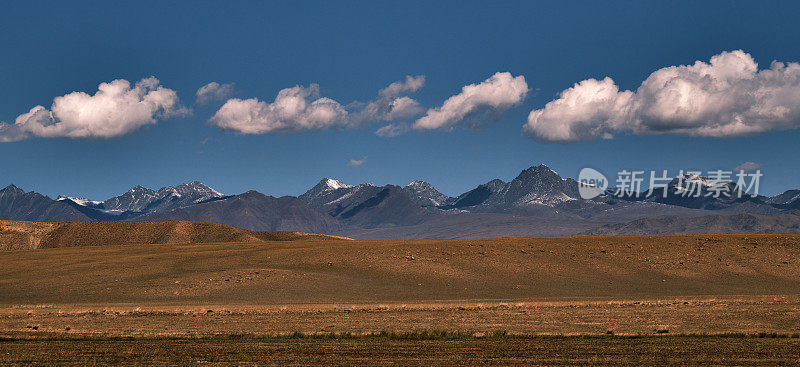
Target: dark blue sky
point(352, 50)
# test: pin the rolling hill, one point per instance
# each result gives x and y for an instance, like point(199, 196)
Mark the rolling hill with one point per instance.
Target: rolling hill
point(19, 235)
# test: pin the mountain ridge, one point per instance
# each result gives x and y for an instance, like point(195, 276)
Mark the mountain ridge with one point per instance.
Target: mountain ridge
point(332, 206)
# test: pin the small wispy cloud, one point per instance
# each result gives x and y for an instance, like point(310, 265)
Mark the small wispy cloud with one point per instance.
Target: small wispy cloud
point(392, 130)
point(357, 162)
point(214, 92)
point(748, 167)
point(392, 103)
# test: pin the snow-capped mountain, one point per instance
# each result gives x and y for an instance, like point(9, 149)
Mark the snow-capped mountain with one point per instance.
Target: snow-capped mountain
point(134, 200)
point(330, 194)
point(425, 194)
point(364, 205)
point(142, 199)
point(198, 190)
point(323, 192)
point(535, 186)
point(81, 201)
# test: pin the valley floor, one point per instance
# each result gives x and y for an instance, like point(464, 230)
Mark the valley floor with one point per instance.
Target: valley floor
point(694, 299)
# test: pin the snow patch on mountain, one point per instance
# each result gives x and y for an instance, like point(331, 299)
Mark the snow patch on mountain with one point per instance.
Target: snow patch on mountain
point(80, 201)
point(545, 199)
point(335, 184)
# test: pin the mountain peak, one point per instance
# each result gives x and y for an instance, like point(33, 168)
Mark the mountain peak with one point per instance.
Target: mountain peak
point(13, 189)
point(540, 169)
point(332, 184)
point(139, 188)
point(324, 188)
point(419, 184)
point(197, 187)
point(252, 193)
point(425, 194)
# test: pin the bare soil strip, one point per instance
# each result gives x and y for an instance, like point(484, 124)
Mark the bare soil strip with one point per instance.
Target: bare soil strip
point(653, 350)
point(750, 314)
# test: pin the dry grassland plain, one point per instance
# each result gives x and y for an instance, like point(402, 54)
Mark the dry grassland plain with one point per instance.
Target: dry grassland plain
point(702, 299)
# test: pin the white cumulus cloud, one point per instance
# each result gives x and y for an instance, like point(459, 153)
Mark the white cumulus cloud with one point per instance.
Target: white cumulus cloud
point(728, 96)
point(114, 110)
point(494, 95)
point(213, 92)
point(295, 109)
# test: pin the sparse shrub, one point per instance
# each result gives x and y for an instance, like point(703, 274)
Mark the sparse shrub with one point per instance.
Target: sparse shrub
point(500, 334)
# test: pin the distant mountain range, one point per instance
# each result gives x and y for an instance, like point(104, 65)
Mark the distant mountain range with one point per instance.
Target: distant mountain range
point(709, 224)
point(141, 200)
point(254, 211)
point(537, 202)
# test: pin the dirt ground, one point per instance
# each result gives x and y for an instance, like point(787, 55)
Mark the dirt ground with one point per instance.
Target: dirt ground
point(693, 315)
point(653, 350)
point(312, 272)
point(640, 299)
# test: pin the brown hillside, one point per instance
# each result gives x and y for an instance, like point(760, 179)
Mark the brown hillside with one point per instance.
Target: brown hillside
point(19, 235)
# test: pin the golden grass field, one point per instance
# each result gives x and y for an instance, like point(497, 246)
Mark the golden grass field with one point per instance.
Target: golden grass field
point(700, 299)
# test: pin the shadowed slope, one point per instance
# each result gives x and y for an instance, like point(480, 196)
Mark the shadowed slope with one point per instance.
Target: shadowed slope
point(740, 223)
point(254, 211)
point(16, 204)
